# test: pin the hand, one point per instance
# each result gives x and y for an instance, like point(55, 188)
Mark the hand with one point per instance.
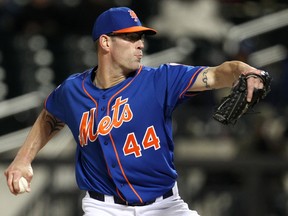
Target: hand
point(237, 103)
point(253, 82)
point(13, 174)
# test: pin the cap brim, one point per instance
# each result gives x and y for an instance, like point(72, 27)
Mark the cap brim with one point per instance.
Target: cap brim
point(148, 31)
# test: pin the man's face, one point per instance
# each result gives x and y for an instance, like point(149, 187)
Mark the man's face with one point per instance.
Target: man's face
point(127, 50)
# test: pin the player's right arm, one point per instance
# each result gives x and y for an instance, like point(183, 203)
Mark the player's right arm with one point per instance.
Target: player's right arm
point(45, 127)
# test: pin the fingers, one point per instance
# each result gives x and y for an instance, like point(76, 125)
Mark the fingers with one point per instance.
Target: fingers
point(13, 182)
point(29, 178)
point(29, 187)
point(13, 176)
point(253, 83)
point(9, 179)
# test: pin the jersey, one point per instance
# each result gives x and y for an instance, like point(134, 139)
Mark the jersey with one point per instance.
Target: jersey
point(124, 133)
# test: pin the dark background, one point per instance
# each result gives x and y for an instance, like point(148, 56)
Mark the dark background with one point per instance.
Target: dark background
point(237, 170)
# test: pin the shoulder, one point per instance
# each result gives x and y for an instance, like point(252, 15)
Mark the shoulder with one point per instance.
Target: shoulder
point(77, 77)
point(170, 67)
point(162, 67)
point(73, 82)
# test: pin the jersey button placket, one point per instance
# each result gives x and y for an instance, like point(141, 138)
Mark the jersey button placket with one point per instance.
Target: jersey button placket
point(102, 104)
point(103, 108)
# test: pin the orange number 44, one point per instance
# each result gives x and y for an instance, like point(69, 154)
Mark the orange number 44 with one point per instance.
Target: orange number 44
point(150, 139)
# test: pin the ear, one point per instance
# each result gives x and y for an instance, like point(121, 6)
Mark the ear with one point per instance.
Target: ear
point(104, 42)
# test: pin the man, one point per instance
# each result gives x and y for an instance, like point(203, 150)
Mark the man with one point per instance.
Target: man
point(120, 114)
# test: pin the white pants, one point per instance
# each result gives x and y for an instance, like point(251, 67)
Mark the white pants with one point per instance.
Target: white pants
point(171, 206)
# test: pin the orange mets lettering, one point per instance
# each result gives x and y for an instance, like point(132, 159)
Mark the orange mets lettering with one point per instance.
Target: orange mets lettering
point(126, 114)
point(87, 127)
point(106, 124)
point(133, 15)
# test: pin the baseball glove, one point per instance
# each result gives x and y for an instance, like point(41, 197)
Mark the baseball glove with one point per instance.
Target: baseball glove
point(233, 106)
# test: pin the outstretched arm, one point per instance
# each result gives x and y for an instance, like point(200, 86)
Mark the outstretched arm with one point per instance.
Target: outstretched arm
point(225, 75)
point(45, 127)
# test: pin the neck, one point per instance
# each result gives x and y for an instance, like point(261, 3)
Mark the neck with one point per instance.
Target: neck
point(107, 79)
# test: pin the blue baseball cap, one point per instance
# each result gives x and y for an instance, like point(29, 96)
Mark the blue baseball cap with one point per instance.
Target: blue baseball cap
point(119, 20)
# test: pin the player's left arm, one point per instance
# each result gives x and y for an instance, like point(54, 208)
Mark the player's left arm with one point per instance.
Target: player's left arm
point(225, 75)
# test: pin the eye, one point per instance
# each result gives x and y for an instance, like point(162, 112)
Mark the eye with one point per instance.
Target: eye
point(134, 36)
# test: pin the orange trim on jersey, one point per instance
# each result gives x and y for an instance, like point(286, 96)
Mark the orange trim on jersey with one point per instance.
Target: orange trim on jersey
point(113, 143)
point(190, 94)
point(122, 170)
point(87, 93)
point(119, 194)
point(191, 81)
point(139, 70)
point(45, 103)
point(96, 104)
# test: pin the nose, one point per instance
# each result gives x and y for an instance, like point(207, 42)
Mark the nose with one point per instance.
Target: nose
point(140, 44)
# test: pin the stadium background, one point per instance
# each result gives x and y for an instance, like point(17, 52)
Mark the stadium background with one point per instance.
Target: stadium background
point(238, 170)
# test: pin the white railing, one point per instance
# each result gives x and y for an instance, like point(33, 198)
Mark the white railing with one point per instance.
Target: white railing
point(20, 104)
point(254, 28)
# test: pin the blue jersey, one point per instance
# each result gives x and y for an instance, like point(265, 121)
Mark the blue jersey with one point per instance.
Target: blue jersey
point(124, 133)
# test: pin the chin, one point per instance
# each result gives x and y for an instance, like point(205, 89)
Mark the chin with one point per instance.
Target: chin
point(136, 66)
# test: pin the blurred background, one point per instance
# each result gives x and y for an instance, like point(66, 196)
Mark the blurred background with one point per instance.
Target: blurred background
point(223, 171)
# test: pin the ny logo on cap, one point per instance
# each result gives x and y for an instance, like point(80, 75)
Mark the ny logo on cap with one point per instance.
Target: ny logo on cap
point(133, 15)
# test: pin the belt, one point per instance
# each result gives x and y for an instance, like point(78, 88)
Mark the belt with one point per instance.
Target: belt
point(118, 200)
